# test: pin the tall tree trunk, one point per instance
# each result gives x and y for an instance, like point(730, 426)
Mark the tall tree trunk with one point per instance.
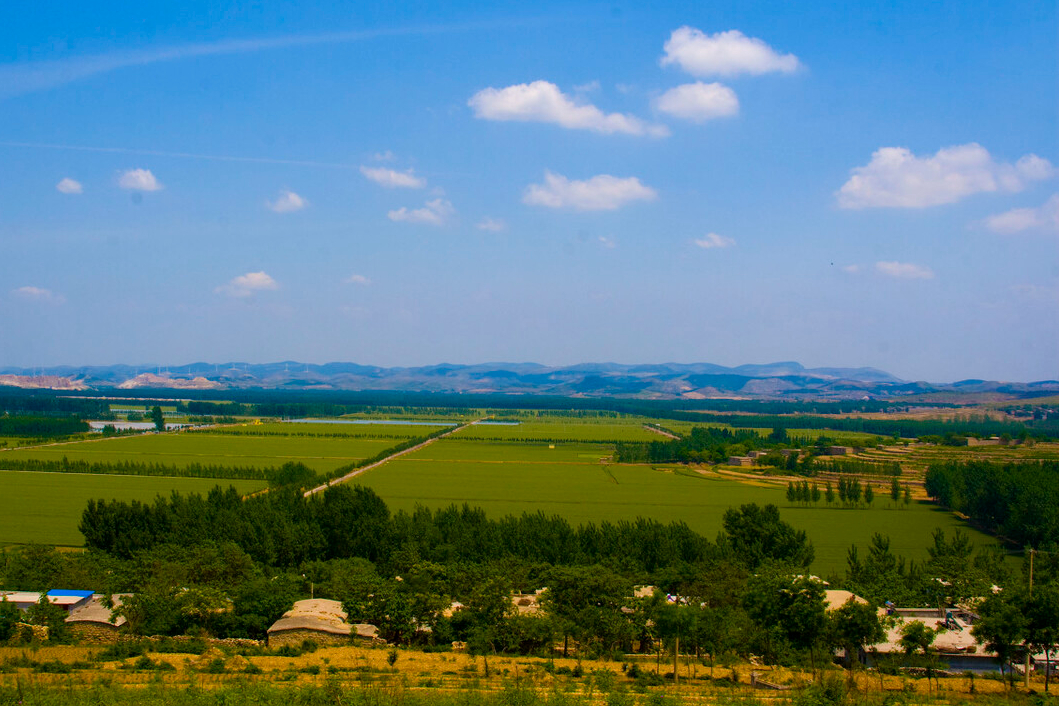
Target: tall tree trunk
point(676, 656)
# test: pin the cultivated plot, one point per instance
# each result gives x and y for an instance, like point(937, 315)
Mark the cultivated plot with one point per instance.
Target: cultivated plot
point(320, 454)
point(561, 429)
point(45, 508)
point(594, 492)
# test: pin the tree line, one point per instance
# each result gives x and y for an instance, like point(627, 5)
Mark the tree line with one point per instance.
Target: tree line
point(1019, 501)
point(41, 427)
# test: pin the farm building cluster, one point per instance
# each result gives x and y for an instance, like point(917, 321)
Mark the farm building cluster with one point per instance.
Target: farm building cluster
point(96, 618)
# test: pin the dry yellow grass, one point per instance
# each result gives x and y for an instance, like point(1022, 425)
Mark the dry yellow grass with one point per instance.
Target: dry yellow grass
point(443, 671)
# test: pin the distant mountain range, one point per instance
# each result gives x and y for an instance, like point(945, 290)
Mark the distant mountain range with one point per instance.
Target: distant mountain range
point(786, 380)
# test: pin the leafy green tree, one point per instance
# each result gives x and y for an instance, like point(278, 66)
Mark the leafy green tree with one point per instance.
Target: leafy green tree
point(158, 418)
point(756, 534)
point(869, 495)
point(1001, 627)
point(895, 490)
point(829, 494)
point(51, 616)
point(787, 606)
point(854, 626)
point(587, 603)
point(10, 616)
point(1042, 629)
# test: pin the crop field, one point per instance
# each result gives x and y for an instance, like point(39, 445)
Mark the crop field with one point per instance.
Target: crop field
point(508, 479)
point(45, 507)
point(455, 449)
point(359, 431)
point(182, 449)
point(562, 429)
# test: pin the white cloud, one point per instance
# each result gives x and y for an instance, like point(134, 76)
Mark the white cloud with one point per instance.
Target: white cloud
point(589, 87)
point(287, 202)
point(38, 294)
point(139, 180)
point(896, 178)
point(600, 193)
point(434, 213)
point(851, 269)
point(699, 101)
point(543, 102)
point(606, 242)
point(493, 225)
point(903, 270)
point(728, 53)
point(391, 178)
point(386, 156)
point(1044, 217)
point(713, 240)
point(69, 186)
point(357, 279)
point(246, 285)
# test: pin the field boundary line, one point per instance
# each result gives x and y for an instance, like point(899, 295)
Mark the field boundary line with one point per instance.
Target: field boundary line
point(357, 471)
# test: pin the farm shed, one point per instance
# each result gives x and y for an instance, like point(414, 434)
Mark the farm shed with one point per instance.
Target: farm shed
point(835, 599)
point(955, 646)
point(740, 461)
point(94, 622)
point(319, 620)
point(67, 600)
point(528, 603)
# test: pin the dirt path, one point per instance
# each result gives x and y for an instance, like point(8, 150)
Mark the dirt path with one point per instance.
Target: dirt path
point(356, 472)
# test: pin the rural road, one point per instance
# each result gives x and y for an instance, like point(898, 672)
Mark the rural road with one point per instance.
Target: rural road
point(656, 430)
point(364, 469)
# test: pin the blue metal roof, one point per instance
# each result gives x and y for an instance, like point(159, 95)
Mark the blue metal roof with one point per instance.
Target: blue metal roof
point(63, 592)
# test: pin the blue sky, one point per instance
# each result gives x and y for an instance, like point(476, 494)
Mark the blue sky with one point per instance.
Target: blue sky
point(727, 182)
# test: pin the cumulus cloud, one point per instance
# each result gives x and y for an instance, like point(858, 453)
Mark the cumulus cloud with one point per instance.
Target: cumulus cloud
point(357, 279)
point(38, 294)
point(699, 101)
point(69, 186)
point(248, 284)
point(493, 225)
point(903, 270)
point(730, 53)
point(139, 180)
point(713, 240)
point(392, 179)
point(1044, 217)
point(287, 202)
point(896, 178)
point(543, 102)
point(600, 193)
point(434, 213)
point(606, 242)
point(851, 269)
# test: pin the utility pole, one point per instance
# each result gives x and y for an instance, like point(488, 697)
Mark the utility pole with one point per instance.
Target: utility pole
point(1032, 551)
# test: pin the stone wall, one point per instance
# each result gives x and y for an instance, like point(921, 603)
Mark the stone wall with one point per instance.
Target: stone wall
point(295, 638)
point(94, 633)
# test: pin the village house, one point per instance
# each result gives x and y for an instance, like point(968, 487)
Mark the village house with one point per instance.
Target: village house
point(93, 621)
point(954, 645)
point(740, 461)
point(65, 599)
point(318, 620)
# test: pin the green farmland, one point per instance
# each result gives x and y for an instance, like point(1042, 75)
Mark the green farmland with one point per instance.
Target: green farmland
point(45, 508)
point(561, 429)
point(361, 431)
point(321, 454)
point(511, 479)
